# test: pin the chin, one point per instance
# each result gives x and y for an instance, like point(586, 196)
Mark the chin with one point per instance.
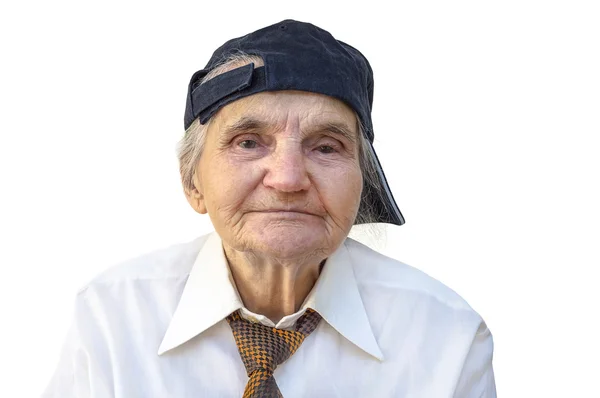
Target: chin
point(288, 242)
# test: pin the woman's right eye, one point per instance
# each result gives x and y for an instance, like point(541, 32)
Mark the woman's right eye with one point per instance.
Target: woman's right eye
point(248, 144)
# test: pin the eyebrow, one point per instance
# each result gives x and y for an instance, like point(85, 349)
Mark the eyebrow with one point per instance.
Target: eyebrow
point(338, 129)
point(247, 123)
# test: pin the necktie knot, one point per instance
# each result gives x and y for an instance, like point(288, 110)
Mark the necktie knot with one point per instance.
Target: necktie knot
point(263, 348)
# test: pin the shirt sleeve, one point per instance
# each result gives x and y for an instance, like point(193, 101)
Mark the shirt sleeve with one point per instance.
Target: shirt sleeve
point(77, 375)
point(477, 376)
point(71, 370)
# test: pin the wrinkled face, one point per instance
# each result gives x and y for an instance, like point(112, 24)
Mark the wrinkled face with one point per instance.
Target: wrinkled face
point(279, 174)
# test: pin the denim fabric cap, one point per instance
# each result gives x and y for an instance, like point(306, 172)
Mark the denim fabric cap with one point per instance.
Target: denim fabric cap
point(297, 56)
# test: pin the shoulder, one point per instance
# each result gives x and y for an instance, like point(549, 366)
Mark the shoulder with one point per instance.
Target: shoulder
point(168, 263)
point(415, 317)
point(382, 277)
point(404, 304)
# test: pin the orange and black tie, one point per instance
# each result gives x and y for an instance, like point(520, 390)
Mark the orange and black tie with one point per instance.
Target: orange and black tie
point(262, 348)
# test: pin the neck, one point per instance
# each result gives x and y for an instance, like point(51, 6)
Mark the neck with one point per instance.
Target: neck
point(272, 287)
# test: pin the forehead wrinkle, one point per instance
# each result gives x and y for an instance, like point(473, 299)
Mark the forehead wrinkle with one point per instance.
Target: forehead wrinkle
point(274, 112)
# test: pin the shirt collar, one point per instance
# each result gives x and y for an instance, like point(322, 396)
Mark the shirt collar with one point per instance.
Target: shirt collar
point(209, 296)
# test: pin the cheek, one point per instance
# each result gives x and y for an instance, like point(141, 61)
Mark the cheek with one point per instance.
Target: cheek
point(226, 185)
point(340, 189)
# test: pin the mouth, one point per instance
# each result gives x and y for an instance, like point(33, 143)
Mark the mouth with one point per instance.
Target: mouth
point(286, 212)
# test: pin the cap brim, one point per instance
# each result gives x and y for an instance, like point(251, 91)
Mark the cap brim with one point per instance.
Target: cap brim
point(382, 201)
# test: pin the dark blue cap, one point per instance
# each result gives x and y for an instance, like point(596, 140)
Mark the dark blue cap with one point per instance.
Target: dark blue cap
point(297, 56)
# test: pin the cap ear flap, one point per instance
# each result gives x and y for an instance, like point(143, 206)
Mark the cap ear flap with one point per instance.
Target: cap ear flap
point(370, 83)
point(214, 90)
point(188, 117)
point(378, 202)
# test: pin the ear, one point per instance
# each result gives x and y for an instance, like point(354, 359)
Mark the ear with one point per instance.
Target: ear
point(195, 196)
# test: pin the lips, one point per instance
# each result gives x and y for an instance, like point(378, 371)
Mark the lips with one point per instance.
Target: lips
point(287, 211)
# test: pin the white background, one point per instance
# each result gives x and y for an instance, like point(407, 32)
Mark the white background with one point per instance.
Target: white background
point(486, 115)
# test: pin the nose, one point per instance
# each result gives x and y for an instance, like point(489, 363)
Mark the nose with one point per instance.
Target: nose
point(286, 168)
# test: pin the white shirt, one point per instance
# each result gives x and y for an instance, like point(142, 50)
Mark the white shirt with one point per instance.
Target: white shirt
point(155, 327)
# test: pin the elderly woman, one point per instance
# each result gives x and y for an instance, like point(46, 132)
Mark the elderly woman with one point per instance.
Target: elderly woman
point(278, 301)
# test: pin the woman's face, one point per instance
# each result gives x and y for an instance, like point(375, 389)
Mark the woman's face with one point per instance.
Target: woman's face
point(279, 174)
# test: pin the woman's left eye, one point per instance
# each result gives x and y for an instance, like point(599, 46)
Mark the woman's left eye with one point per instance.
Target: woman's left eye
point(326, 149)
point(248, 144)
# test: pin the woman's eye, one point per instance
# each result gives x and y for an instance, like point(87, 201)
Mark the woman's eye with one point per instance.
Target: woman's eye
point(326, 149)
point(248, 144)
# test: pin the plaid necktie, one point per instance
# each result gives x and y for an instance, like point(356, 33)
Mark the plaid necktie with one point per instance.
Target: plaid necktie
point(262, 348)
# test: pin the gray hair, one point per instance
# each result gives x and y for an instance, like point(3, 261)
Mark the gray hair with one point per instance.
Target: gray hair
point(190, 147)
